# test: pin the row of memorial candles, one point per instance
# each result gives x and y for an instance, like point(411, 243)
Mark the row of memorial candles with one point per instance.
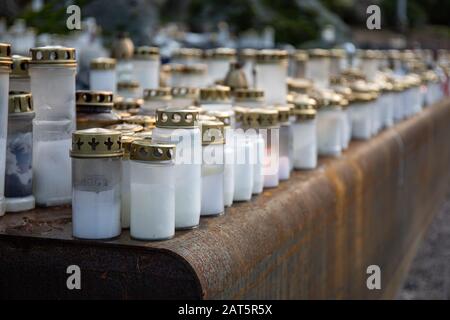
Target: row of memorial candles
point(186, 164)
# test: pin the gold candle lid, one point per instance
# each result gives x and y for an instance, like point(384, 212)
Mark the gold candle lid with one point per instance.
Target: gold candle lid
point(261, 118)
point(303, 101)
point(20, 102)
point(188, 53)
point(338, 53)
point(128, 85)
point(305, 114)
point(318, 53)
point(158, 94)
point(212, 132)
point(144, 150)
point(220, 53)
point(299, 85)
point(103, 63)
point(146, 53)
point(197, 68)
point(256, 95)
point(300, 55)
point(127, 140)
point(126, 128)
point(239, 113)
point(85, 98)
point(215, 94)
point(222, 116)
point(284, 112)
point(127, 103)
point(271, 56)
point(184, 92)
point(146, 121)
point(184, 118)
point(96, 143)
point(54, 55)
point(5, 57)
point(19, 68)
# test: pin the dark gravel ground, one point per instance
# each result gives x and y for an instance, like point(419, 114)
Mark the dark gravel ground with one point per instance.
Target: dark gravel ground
point(429, 276)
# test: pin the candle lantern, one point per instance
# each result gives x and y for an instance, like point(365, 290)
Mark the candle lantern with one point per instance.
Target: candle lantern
point(213, 140)
point(369, 64)
point(187, 56)
point(249, 152)
point(183, 97)
point(271, 73)
point(127, 140)
point(249, 98)
point(218, 61)
point(247, 58)
point(361, 112)
point(96, 174)
point(155, 99)
point(152, 191)
point(265, 121)
point(52, 75)
point(5, 69)
point(229, 155)
point(286, 142)
point(188, 75)
point(305, 136)
point(19, 79)
point(338, 61)
point(297, 63)
point(103, 75)
point(330, 124)
point(146, 67)
point(387, 104)
point(19, 153)
point(318, 68)
point(129, 89)
point(180, 127)
point(95, 109)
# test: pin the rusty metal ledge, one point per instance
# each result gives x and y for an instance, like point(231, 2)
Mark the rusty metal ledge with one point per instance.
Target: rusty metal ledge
point(313, 237)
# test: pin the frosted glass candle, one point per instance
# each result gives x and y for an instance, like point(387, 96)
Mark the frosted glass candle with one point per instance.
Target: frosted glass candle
point(103, 75)
point(244, 166)
point(285, 151)
point(386, 101)
point(186, 135)
point(52, 74)
point(318, 68)
point(218, 62)
point(152, 192)
point(229, 150)
point(192, 75)
point(270, 75)
point(330, 131)
point(96, 174)
point(129, 89)
point(96, 198)
point(19, 153)
point(305, 140)
point(5, 67)
point(146, 63)
point(361, 115)
point(212, 180)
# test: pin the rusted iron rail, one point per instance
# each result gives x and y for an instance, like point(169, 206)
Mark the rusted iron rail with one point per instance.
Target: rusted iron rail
point(313, 237)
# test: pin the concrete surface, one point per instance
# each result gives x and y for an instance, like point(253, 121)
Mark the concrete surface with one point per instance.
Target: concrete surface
point(429, 276)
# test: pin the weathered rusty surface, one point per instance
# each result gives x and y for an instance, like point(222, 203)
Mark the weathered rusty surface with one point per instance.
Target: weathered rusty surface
point(313, 237)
